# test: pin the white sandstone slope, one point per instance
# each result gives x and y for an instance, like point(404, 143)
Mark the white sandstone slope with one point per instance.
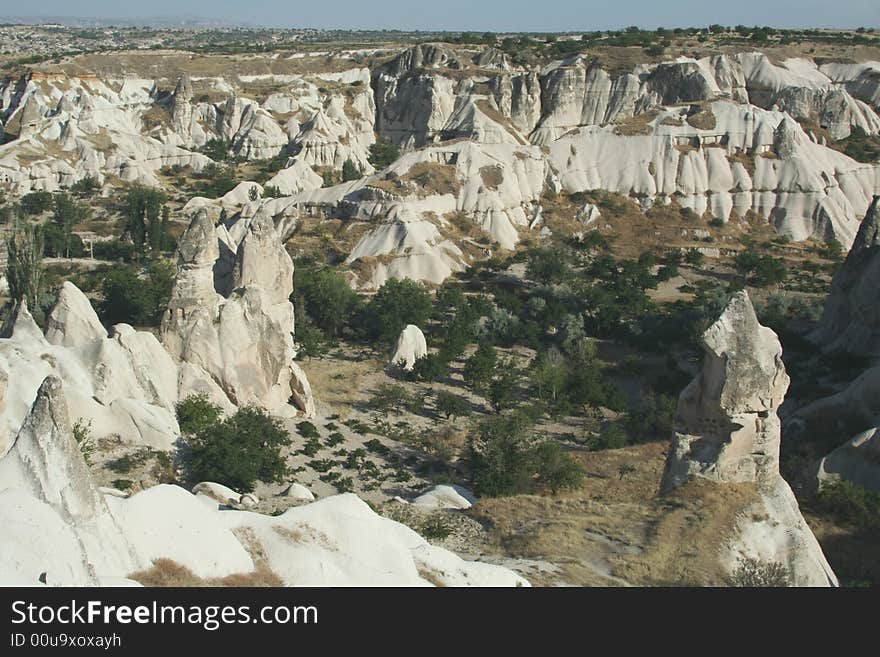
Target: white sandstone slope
point(483, 141)
point(727, 431)
point(59, 530)
point(68, 127)
point(230, 322)
point(45, 461)
point(751, 159)
point(124, 382)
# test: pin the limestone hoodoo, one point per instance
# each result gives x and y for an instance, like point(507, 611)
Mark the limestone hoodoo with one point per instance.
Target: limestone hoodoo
point(727, 431)
point(230, 321)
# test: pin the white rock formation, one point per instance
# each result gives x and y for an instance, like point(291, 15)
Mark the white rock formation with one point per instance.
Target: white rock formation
point(751, 160)
point(411, 346)
point(297, 491)
point(218, 492)
point(446, 496)
point(72, 320)
point(124, 383)
point(59, 529)
point(727, 431)
point(44, 477)
point(237, 346)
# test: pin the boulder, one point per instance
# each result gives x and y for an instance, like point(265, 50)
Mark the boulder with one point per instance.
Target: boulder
point(298, 492)
point(411, 346)
point(249, 500)
point(445, 496)
point(219, 492)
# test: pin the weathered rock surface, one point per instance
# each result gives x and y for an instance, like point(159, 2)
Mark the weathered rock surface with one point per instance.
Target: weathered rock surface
point(72, 320)
point(124, 383)
point(714, 133)
point(851, 318)
point(411, 346)
point(727, 431)
point(238, 343)
point(726, 426)
point(45, 461)
point(59, 529)
point(297, 491)
point(218, 492)
point(857, 461)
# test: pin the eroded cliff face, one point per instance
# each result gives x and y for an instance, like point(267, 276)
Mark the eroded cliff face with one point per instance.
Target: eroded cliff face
point(850, 324)
point(727, 431)
point(851, 318)
point(725, 136)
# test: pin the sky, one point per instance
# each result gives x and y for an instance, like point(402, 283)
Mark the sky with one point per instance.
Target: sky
point(478, 15)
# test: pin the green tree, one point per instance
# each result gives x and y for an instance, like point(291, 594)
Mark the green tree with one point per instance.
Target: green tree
point(34, 203)
point(85, 186)
point(548, 374)
point(612, 436)
point(24, 268)
point(383, 153)
point(479, 368)
point(328, 298)
point(239, 450)
point(503, 387)
point(548, 265)
point(391, 396)
point(350, 171)
point(143, 216)
point(396, 304)
point(500, 456)
point(556, 469)
point(197, 413)
point(131, 299)
point(431, 367)
point(66, 214)
point(450, 405)
point(217, 149)
point(311, 340)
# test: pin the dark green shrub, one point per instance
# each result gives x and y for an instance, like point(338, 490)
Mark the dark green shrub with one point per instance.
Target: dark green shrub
point(450, 405)
point(612, 436)
point(196, 413)
point(849, 503)
point(383, 153)
point(131, 299)
point(307, 430)
point(239, 450)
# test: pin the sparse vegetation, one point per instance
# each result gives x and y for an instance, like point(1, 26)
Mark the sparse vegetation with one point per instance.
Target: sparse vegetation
point(754, 573)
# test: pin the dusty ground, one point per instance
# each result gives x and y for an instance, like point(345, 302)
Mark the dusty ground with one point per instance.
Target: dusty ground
point(615, 530)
